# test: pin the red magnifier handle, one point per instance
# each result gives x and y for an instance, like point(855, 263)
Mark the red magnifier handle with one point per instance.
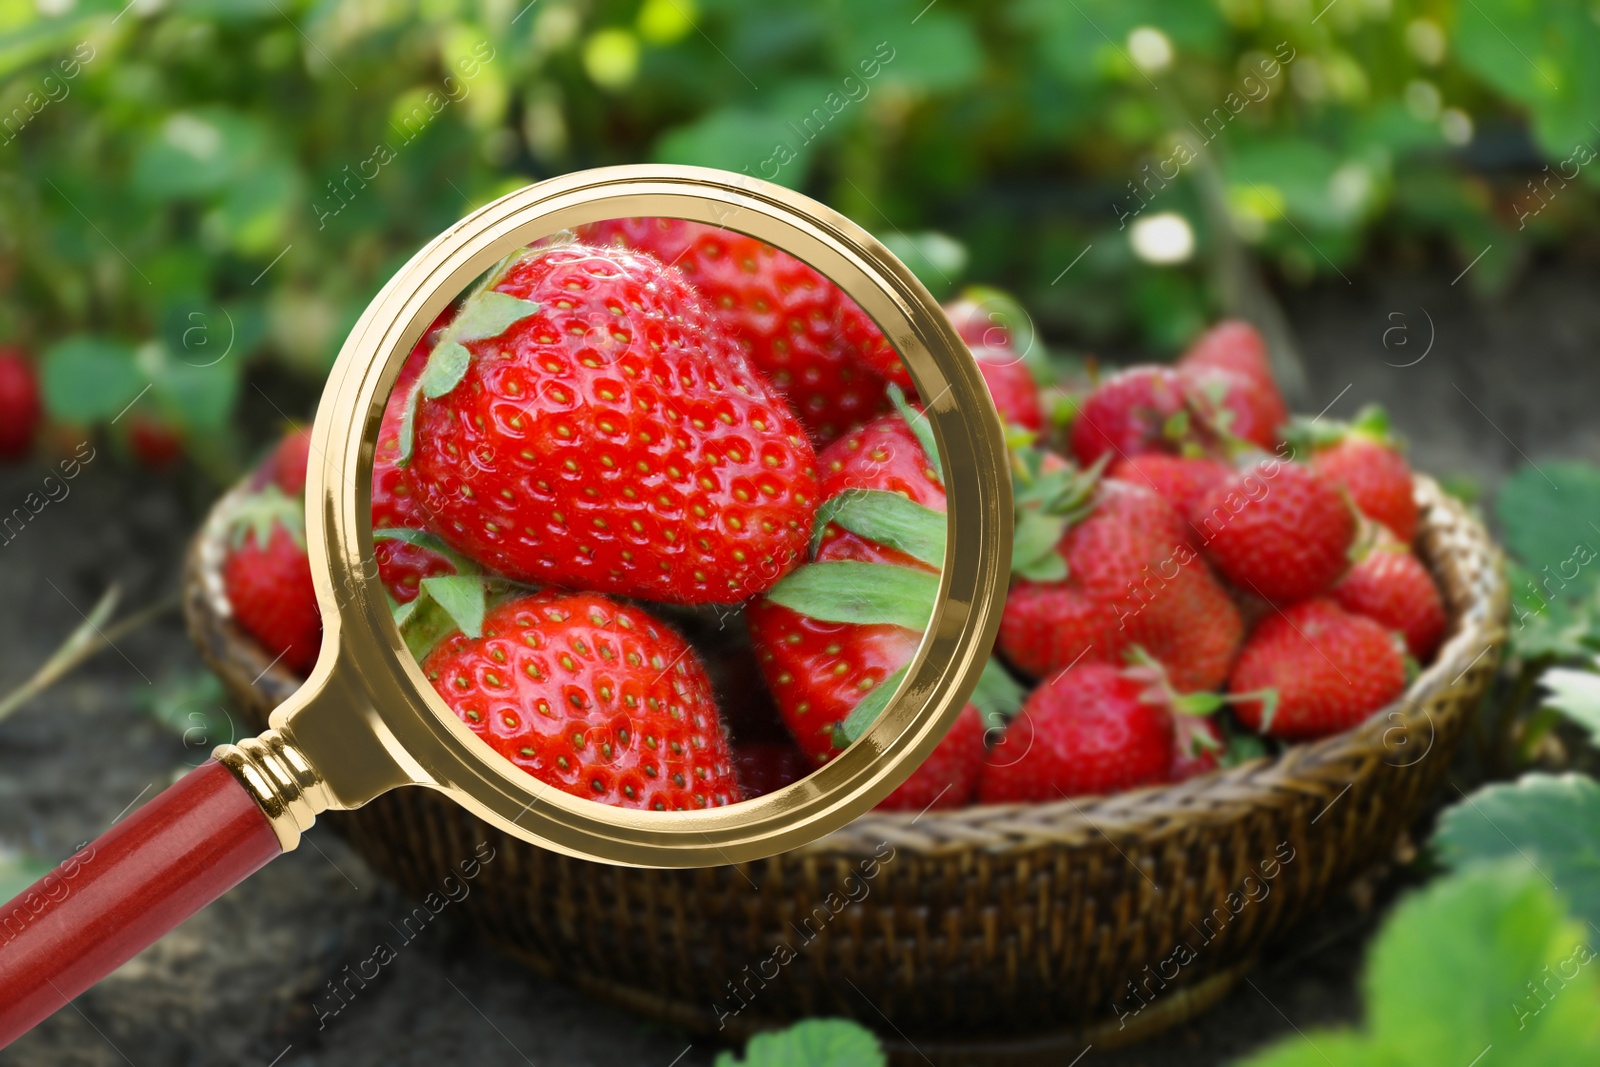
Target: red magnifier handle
point(115, 896)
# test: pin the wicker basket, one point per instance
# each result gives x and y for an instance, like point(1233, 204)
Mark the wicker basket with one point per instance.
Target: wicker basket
point(945, 931)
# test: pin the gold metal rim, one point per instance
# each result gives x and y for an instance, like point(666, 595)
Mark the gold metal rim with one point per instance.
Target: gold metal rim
point(367, 718)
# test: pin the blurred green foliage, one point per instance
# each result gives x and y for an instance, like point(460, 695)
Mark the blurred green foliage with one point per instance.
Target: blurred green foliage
point(189, 186)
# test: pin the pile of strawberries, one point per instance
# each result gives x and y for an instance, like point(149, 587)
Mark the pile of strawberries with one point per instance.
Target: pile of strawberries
point(660, 517)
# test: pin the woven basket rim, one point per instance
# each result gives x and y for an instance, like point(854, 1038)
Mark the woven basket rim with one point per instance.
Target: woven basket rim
point(1219, 796)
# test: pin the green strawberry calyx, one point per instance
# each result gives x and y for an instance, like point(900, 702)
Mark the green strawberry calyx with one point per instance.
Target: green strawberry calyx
point(886, 518)
point(1047, 503)
point(253, 517)
point(486, 313)
point(1370, 424)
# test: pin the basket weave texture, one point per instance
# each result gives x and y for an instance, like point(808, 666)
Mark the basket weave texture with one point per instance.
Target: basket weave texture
point(1001, 934)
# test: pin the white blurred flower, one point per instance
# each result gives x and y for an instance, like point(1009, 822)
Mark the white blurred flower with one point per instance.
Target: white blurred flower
point(1163, 238)
point(1455, 126)
point(1150, 48)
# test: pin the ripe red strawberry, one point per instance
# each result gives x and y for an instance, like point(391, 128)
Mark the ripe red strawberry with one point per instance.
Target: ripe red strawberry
point(1092, 729)
point(1377, 478)
point(1139, 410)
point(1196, 745)
point(764, 767)
point(267, 578)
point(1011, 384)
point(20, 409)
point(1179, 480)
point(402, 565)
point(1232, 405)
point(1277, 529)
point(819, 670)
point(584, 422)
point(1132, 578)
point(1391, 586)
point(820, 350)
point(288, 461)
point(1330, 670)
point(1236, 346)
point(153, 443)
point(594, 697)
point(948, 778)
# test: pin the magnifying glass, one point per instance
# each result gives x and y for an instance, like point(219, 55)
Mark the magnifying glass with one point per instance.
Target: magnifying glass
point(369, 717)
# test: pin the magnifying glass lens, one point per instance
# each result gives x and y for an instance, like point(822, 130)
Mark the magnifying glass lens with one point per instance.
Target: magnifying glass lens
point(655, 516)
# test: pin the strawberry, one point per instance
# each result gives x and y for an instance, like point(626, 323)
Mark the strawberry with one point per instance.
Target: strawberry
point(1092, 729)
point(1391, 586)
point(1330, 669)
point(767, 766)
point(1377, 479)
point(584, 422)
point(592, 696)
point(1131, 578)
point(402, 563)
point(1011, 383)
point(1139, 410)
point(20, 409)
point(1236, 346)
point(948, 778)
point(820, 350)
point(1234, 406)
point(1197, 742)
point(1179, 480)
point(155, 444)
point(1276, 529)
point(267, 578)
point(288, 461)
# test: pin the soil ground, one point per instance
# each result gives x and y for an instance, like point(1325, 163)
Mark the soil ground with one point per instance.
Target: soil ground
point(1501, 382)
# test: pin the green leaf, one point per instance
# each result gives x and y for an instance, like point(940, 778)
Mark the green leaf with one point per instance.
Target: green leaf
point(867, 710)
point(743, 141)
point(1451, 976)
point(937, 259)
point(997, 695)
point(1033, 546)
point(408, 423)
point(1551, 821)
point(89, 379)
point(920, 428)
point(199, 399)
point(447, 365)
point(488, 314)
point(443, 606)
point(1576, 694)
point(1551, 519)
point(860, 593)
point(887, 518)
point(1549, 628)
point(812, 1043)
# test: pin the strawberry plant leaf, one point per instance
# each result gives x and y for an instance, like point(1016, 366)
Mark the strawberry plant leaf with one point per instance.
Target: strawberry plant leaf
point(89, 379)
point(920, 429)
point(1576, 694)
point(811, 1043)
point(887, 518)
point(1554, 822)
point(997, 695)
point(1553, 532)
point(447, 365)
point(867, 710)
point(488, 314)
point(1452, 974)
point(860, 593)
